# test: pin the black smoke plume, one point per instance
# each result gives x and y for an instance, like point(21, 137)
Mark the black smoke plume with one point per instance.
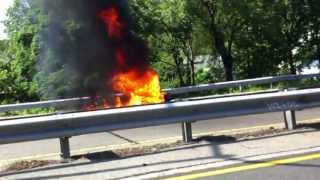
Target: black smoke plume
point(76, 56)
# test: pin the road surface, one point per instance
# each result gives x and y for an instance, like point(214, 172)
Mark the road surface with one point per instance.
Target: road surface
point(27, 149)
point(287, 168)
point(288, 155)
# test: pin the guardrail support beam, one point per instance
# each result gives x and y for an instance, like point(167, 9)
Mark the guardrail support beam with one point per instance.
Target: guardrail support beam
point(290, 119)
point(187, 131)
point(65, 149)
point(240, 88)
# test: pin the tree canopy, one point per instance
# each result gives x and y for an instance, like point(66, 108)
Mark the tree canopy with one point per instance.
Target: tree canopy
point(191, 42)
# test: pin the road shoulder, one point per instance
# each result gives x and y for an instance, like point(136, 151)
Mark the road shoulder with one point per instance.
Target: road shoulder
point(206, 153)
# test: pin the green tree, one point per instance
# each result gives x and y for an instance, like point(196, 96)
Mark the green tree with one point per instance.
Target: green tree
point(175, 37)
point(21, 52)
point(271, 33)
point(223, 24)
point(258, 45)
point(311, 46)
point(294, 21)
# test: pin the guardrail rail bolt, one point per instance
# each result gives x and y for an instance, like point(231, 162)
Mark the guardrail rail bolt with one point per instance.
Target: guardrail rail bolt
point(65, 149)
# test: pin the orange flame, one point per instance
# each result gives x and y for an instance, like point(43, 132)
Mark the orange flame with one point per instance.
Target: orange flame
point(136, 86)
point(112, 20)
point(140, 88)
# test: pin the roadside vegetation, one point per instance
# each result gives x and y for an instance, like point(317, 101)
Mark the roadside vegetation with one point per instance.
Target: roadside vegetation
point(191, 42)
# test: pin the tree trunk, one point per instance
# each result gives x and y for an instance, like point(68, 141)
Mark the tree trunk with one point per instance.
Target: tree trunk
point(188, 74)
point(226, 56)
point(191, 61)
point(193, 74)
point(318, 54)
point(219, 40)
point(177, 62)
point(292, 66)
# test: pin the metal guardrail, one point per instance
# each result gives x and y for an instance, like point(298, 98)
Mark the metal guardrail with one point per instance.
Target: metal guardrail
point(44, 104)
point(64, 126)
point(225, 95)
point(176, 91)
point(67, 125)
point(231, 84)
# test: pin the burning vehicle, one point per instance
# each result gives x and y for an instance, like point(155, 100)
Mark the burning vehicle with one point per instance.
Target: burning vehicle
point(114, 65)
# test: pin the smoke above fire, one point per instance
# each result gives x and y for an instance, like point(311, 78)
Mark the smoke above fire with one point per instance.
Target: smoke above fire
point(88, 49)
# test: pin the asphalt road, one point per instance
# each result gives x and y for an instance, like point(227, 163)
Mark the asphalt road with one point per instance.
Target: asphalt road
point(301, 170)
point(17, 150)
point(306, 170)
point(255, 155)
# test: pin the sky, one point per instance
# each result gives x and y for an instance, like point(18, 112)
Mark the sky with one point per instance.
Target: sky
point(4, 5)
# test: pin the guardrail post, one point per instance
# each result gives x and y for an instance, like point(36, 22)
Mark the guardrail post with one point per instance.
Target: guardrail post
point(240, 88)
point(290, 118)
point(65, 149)
point(187, 131)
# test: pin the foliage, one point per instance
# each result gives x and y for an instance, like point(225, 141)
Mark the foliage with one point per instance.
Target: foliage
point(17, 68)
point(243, 38)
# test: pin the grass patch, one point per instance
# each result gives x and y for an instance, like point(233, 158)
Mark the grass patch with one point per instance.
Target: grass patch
point(33, 111)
